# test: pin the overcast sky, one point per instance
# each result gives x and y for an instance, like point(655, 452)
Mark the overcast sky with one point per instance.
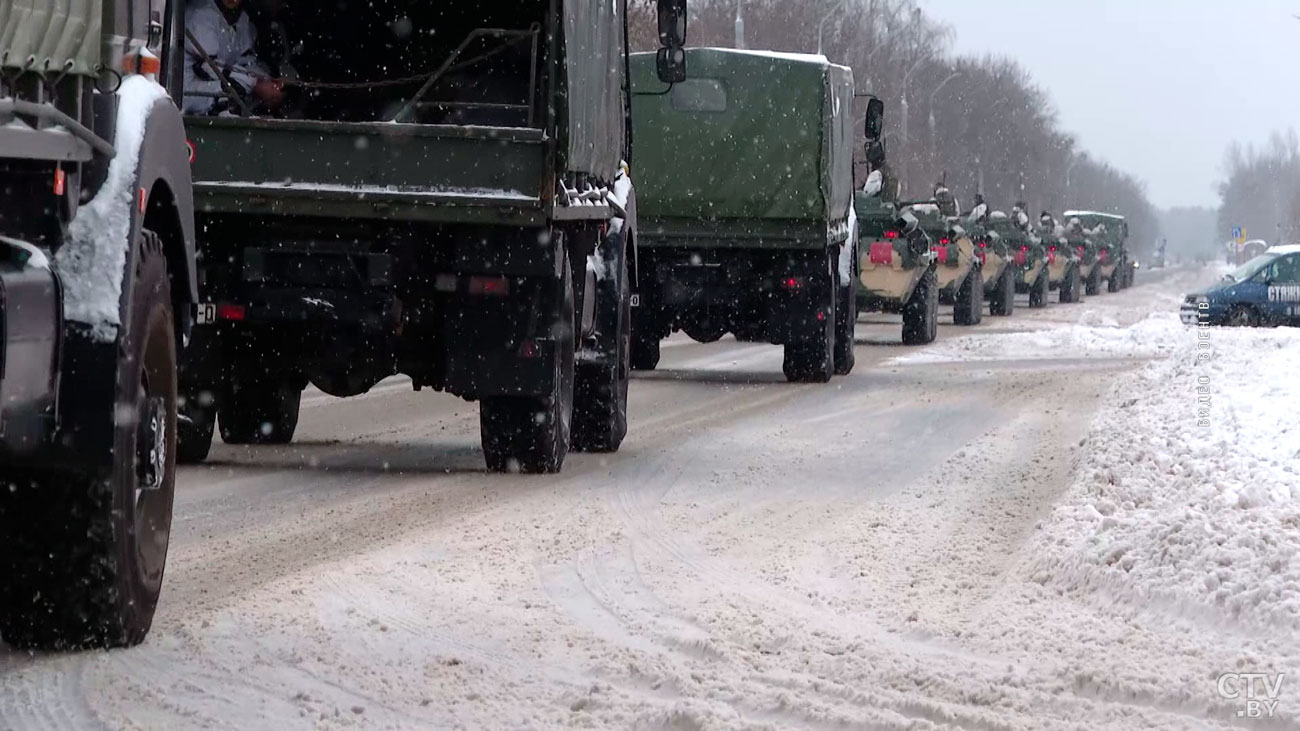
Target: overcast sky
point(1156, 87)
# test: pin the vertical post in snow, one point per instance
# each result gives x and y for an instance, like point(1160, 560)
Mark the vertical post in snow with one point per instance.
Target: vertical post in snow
point(740, 24)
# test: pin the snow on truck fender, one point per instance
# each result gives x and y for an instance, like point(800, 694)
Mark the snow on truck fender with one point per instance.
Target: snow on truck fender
point(93, 260)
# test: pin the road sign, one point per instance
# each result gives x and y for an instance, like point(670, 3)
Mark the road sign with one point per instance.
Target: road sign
point(1239, 234)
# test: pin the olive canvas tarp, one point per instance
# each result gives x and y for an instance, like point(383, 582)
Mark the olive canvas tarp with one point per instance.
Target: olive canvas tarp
point(593, 51)
point(749, 136)
point(51, 35)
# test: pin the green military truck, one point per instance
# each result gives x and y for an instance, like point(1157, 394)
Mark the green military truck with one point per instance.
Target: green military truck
point(1064, 262)
point(745, 193)
point(1109, 233)
point(959, 264)
point(444, 196)
point(97, 283)
point(897, 259)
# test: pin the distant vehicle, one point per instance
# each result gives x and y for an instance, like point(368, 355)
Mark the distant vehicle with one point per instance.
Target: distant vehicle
point(1108, 233)
point(1009, 243)
point(959, 271)
point(1263, 292)
point(1064, 265)
point(746, 202)
point(897, 266)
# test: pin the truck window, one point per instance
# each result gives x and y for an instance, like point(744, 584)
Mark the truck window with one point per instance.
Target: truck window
point(700, 95)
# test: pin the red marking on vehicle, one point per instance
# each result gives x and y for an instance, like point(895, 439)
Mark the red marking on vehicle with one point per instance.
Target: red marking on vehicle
point(60, 181)
point(1021, 257)
point(983, 256)
point(194, 151)
point(1080, 251)
point(144, 199)
point(882, 252)
point(234, 313)
point(942, 251)
point(1103, 255)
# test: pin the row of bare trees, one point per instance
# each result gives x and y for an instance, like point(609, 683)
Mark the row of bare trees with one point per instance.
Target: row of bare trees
point(1261, 192)
point(980, 123)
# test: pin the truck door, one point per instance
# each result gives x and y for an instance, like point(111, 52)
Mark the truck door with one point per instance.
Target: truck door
point(1283, 280)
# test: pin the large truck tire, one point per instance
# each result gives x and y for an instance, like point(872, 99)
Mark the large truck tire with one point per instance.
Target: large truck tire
point(1038, 293)
point(846, 317)
point(532, 435)
point(1093, 285)
point(83, 557)
point(968, 310)
point(1071, 285)
point(600, 390)
point(260, 411)
point(1003, 303)
point(195, 426)
point(921, 313)
point(1116, 281)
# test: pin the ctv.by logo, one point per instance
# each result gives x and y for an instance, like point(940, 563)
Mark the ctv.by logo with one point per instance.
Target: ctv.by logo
point(1256, 693)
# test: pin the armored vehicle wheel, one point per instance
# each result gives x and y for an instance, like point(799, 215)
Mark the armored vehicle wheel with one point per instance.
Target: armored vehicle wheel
point(532, 435)
point(1004, 298)
point(921, 313)
point(846, 317)
point(600, 389)
point(1070, 287)
point(1116, 281)
point(194, 431)
point(1093, 285)
point(260, 411)
point(644, 352)
point(1038, 293)
point(83, 558)
point(968, 309)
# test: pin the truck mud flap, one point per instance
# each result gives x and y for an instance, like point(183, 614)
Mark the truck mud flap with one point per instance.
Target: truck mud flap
point(30, 341)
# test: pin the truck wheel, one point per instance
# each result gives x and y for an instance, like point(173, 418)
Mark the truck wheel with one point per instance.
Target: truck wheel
point(1004, 299)
point(1070, 286)
point(1093, 287)
point(194, 431)
point(532, 435)
point(921, 313)
point(600, 391)
point(812, 359)
point(83, 557)
point(1116, 281)
point(1038, 294)
point(969, 306)
point(846, 317)
point(260, 411)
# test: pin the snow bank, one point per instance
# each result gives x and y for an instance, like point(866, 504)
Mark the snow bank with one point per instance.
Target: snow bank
point(1190, 505)
point(92, 260)
point(1095, 336)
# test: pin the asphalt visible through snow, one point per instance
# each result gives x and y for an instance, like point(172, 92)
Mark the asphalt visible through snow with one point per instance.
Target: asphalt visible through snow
point(758, 554)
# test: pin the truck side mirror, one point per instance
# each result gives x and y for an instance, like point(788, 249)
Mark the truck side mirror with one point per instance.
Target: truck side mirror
point(671, 65)
point(672, 23)
point(875, 119)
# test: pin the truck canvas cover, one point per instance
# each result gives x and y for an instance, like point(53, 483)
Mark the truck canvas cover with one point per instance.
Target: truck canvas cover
point(51, 35)
point(749, 136)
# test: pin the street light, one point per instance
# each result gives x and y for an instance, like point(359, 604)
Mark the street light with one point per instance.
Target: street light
point(903, 109)
point(1074, 161)
point(740, 23)
point(821, 29)
point(935, 93)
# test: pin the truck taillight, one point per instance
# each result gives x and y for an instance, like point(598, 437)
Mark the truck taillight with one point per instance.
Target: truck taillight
point(792, 284)
point(233, 313)
point(943, 241)
point(489, 286)
point(891, 234)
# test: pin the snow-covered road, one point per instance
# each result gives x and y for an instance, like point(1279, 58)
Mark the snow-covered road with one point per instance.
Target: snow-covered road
point(1020, 526)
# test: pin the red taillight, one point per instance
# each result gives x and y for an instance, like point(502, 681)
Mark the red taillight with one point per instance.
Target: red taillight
point(891, 234)
point(1080, 251)
point(234, 313)
point(1052, 249)
point(1024, 248)
point(528, 349)
point(943, 241)
point(882, 253)
point(491, 286)
point(983, 244)
point(60, 181)
point(792, 283)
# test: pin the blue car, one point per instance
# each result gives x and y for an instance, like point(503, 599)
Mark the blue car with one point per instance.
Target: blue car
point(1264, 291)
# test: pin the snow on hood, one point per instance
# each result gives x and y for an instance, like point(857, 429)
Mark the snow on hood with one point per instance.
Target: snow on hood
point(93, 259)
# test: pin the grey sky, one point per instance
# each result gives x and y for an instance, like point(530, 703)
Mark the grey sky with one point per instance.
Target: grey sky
point(1159, 88)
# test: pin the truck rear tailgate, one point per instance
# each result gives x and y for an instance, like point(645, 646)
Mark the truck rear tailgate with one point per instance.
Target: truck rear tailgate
point(368, 170)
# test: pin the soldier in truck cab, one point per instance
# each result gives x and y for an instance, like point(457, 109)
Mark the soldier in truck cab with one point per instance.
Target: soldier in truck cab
point(224, 33)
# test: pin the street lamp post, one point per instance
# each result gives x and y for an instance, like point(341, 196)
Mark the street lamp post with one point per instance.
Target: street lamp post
point(1068, 168)
point(740, 23)
point(935, 93)
point(821, 28)
point(903, 109)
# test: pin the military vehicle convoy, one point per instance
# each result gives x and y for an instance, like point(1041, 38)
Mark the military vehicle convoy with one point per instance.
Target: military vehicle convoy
point(97, 282)
point(1109, 234)
point(450, 203)
point(745, 194)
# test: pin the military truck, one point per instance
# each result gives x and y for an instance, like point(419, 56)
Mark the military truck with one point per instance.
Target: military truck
point(958, 270)
point(1064, 263)
point(97, 282)
point(443, 197)
point(897, 259)
point(1082, 241)
point(745, 198)
point(1109, 233)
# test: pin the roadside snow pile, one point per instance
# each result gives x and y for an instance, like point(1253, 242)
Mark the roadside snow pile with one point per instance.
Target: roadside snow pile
point(1095, 336)
point(92, 261)
point(1187, 506)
